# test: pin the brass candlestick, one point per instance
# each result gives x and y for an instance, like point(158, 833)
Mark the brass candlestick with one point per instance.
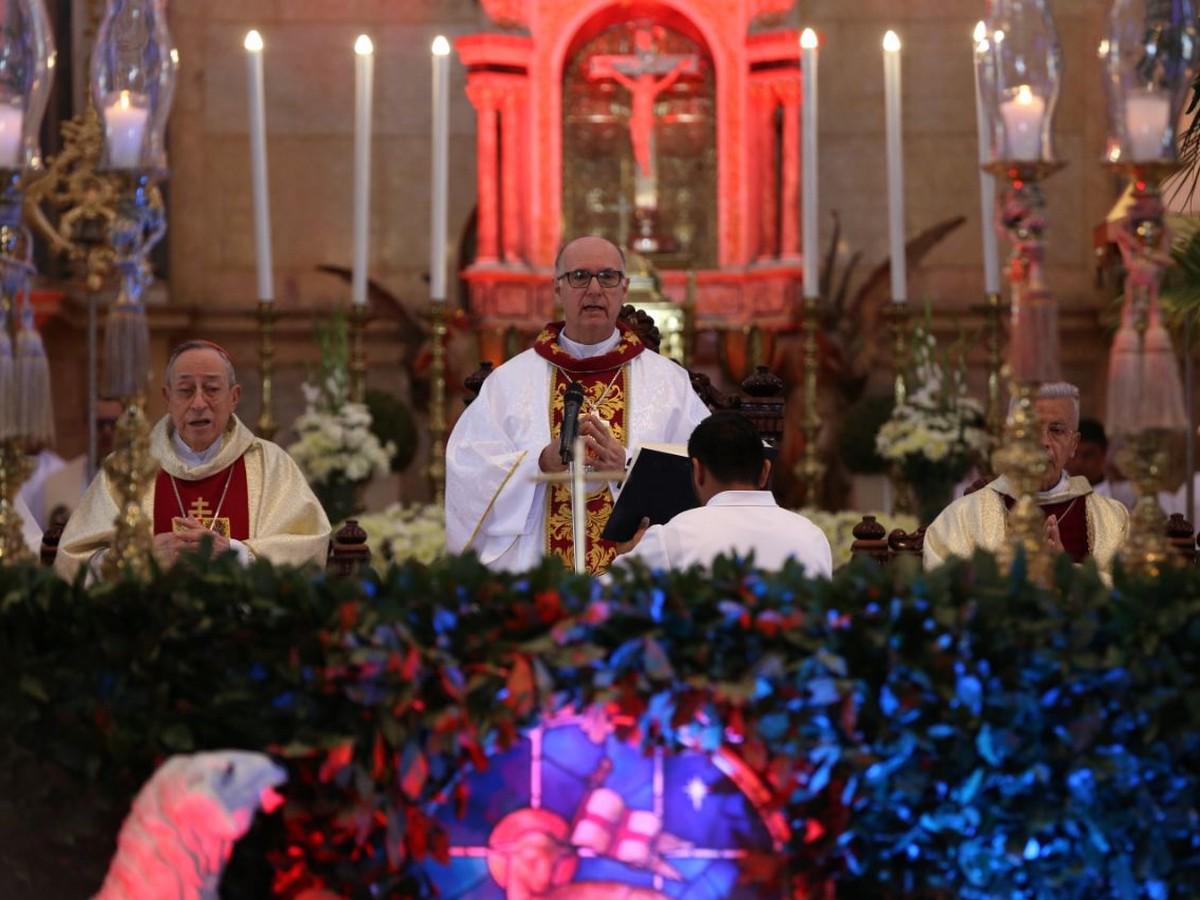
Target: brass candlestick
point(1144, 461)
point(437, 404)
point(994, 311)
point(811, 470)
point(358, 352)
point(897, 315)
point(266, 368)
point(130, 470)
point(15, 467)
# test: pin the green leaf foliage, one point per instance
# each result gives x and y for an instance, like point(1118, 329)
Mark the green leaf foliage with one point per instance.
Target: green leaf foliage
point(955, 733)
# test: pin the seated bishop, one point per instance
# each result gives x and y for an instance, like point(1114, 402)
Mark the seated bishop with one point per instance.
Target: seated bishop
point(217, 481)
point(495, 504)
point(1078, 521)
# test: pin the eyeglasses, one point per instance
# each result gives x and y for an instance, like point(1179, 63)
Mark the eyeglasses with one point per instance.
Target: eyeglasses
point(581, 278)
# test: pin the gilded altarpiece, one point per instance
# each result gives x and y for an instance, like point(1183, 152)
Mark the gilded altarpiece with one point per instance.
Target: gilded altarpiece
point(672, 127)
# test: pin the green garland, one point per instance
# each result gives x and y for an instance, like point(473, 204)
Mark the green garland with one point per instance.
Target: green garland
point(960, 733)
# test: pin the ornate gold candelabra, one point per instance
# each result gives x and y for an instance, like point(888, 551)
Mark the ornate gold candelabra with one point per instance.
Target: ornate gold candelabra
point(266, 368)
point(358, 352)
point(1149, 427)
point(437, 404)
point(811, 469)
point(15, 467)
point(130, 469)
point(1021, 459)
point(1033, 358)
point(1143, 459)
point(140, 223)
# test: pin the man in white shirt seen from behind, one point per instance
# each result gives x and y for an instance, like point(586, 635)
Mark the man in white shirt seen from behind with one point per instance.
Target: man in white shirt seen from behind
point(729, 468)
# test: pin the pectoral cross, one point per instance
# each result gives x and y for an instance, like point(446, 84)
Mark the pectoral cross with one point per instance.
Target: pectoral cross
point(199, 510)
point(203, 513)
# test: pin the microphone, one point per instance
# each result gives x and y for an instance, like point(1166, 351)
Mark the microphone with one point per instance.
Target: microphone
point(572, 401)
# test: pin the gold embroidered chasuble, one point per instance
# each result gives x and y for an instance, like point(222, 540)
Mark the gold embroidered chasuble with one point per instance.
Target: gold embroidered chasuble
point(980, 521)
point(286, 522)
point(605, 382)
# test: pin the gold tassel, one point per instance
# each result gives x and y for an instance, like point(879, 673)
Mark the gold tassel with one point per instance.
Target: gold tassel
point(35, 409)
point(126, 349)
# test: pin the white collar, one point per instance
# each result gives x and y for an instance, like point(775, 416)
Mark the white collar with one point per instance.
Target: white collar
point(190, 457)
point(742, 498)
point(1043, 496)
point(585, 351)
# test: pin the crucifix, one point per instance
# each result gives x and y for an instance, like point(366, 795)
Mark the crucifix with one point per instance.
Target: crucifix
point(645, 74)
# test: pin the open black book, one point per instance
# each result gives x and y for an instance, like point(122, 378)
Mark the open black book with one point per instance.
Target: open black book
point(658, 487)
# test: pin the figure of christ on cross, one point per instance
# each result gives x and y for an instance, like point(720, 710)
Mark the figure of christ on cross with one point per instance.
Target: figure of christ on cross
point(645, 74)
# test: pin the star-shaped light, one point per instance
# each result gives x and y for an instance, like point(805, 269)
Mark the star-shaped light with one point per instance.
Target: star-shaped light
point(696, 790)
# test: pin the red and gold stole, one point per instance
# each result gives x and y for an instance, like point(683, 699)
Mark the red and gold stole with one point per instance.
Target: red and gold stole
point(1072, 524)
point(605, 381)
point(201, 500)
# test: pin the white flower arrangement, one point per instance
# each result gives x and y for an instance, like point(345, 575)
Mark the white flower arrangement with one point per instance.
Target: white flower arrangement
point(403, 532)
point(938, 428)
point(335, 441)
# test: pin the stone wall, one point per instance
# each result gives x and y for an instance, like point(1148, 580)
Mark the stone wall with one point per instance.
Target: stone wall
point(309, 94)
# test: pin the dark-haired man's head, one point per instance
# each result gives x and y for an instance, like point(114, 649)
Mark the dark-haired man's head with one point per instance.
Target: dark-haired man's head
point(727, 455)
point(1091, 456)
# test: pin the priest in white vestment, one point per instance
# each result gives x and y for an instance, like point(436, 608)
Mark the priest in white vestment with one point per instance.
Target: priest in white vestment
point(729, 469)
point(1078, 521)
point(509, 434)
point(218, 482)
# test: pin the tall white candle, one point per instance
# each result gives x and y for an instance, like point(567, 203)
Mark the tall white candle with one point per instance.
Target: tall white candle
point(1022, 115)
point(987, 182)
point(895, 166)
point(12, 122)
point(1147, 119)
point(808, 203)
point(125, 129)
point(364, 72)
point(258, 165)
point(440, 167)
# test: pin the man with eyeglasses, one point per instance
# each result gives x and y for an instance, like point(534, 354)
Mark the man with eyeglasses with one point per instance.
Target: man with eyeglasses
point(218, 482)
point(1078, 521)
point(510, 433)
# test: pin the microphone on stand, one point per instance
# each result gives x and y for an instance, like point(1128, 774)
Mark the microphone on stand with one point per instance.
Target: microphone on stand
point(572, 402)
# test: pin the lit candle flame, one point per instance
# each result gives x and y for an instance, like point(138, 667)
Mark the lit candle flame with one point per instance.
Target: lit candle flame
point(363, 46)
point(441, 46)
point(808, 40)
point(891, 42)
point(254, 41)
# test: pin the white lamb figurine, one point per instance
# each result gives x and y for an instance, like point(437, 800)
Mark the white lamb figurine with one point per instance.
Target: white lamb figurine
point(180, 831)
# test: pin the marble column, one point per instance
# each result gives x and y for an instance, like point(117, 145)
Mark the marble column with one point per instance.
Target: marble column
point(788, 91)
point(483, 97)
point(768, 206)
point(510, 177)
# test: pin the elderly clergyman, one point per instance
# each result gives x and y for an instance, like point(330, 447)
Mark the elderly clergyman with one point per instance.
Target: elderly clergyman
point(510, 433)
point(1078, 521)
point(217, 480)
